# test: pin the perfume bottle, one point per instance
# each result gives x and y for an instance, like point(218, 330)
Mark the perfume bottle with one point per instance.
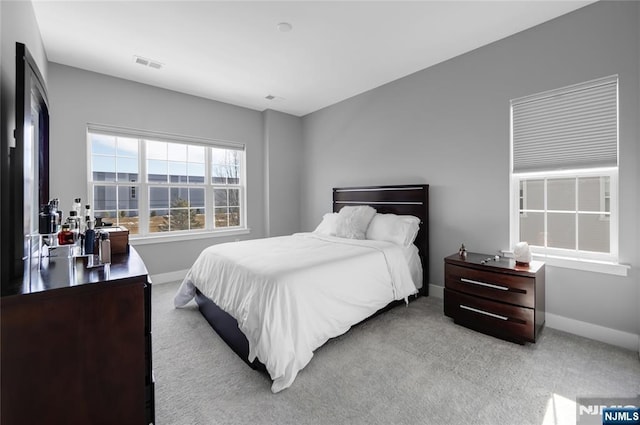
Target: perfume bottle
point(104, 248)
point(66, 236)
point(73, 221)
point(77, 206)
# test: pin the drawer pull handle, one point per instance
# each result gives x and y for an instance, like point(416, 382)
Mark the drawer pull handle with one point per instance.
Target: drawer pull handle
point(486, 313)
point(488, 285)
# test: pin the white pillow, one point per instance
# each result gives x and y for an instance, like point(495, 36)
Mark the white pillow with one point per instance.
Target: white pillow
point(353, 221)
point(399, 229)
point(329, 225)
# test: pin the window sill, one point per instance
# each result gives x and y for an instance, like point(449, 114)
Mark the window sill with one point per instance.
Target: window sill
point(605, 267)
point(156, 239)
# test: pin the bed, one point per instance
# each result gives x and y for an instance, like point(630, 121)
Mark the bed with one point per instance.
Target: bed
point(275, 300)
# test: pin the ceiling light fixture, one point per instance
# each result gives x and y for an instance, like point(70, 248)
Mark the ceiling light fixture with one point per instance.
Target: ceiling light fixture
point(147, 62)
point(284, 27)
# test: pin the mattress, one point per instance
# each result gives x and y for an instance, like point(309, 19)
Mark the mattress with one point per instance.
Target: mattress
point(291, 294)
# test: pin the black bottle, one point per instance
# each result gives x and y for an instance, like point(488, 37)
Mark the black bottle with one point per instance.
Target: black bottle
point(47, 221)
point(89, 238)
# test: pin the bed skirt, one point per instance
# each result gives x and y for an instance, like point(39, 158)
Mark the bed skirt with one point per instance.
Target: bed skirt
point(227, 327)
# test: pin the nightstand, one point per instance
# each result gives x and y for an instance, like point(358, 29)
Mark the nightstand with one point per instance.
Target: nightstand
point(496, 297)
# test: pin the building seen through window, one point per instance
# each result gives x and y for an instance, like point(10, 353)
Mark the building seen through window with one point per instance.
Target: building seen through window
point(155, 186)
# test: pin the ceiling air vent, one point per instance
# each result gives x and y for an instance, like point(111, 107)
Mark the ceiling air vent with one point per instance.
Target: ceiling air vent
point(141, 61)
point(147, 62)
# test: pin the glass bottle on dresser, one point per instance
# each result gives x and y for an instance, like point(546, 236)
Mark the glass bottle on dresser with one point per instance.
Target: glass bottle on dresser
point(89, 238)
point(104, 248)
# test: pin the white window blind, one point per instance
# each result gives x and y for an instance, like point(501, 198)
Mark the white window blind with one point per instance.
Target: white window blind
point(574, 127)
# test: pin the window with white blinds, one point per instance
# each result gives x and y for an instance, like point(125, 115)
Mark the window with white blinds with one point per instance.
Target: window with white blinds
point(570, 128)
point(565, 169)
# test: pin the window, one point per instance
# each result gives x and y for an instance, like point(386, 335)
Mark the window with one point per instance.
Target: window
point(157, 184)
point(568, 214)
point(564, 146)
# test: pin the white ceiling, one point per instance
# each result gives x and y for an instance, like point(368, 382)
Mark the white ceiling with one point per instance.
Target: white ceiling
point(231, 51)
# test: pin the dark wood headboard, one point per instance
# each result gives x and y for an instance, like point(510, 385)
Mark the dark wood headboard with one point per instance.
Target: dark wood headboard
point(397, 199)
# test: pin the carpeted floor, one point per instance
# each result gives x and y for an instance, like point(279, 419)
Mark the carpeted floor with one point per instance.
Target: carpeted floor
point(411, 365)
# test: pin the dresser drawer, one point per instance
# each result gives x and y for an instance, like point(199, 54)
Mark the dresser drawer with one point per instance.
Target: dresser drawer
point(494, 318)
point(512, 289)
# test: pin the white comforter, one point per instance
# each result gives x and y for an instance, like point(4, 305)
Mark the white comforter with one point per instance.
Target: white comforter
point(291, 294)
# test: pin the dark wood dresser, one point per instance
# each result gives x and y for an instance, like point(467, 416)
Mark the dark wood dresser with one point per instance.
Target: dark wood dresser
point(76, 344)
point(496, 297)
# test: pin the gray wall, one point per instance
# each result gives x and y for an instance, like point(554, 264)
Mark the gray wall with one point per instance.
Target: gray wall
point(272, 143)
point(448, 126)
point(79, 97)
point(283, 145)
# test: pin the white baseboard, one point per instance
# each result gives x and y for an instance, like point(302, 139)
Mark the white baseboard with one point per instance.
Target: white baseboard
point(160, 278)
point(436, 291)
point(615, 337)
point(622, 339)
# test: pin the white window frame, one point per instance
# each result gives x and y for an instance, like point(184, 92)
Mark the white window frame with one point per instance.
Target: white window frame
point(612, 173)
point(571, 258)
point(144, 237)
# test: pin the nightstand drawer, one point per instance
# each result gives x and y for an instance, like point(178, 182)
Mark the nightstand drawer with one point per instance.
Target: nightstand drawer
point(494, 318)
point(512, 289)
